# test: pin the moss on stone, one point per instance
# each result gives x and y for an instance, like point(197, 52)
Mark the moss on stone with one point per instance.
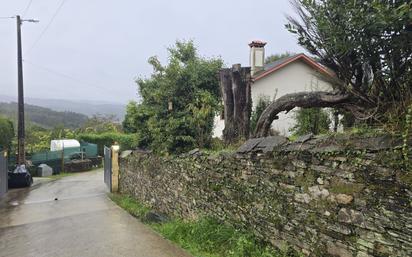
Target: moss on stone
point(306, 180)
point(339, 187)
point(405, 178)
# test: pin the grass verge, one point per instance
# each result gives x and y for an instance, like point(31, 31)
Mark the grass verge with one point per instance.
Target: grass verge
point(205, 237)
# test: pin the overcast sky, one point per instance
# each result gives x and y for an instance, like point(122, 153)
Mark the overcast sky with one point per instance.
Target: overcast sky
point(95, 49)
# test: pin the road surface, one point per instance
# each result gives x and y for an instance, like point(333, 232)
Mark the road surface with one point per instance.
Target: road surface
point(82, 222)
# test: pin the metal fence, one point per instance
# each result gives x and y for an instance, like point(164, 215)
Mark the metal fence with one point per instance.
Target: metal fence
point(3, 173)
point(90, 150)
point(54, 158)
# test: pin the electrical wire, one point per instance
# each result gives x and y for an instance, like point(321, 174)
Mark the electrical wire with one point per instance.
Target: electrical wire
point(47, 27)
point(27, 8)
point(57, 73)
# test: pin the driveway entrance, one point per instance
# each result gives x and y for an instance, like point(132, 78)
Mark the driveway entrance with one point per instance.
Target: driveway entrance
point(82, 222)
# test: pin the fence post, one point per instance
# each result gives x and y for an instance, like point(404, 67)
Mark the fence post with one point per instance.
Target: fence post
point(115, 167)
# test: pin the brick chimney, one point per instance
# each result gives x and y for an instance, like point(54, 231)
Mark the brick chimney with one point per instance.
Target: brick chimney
point(257, 56)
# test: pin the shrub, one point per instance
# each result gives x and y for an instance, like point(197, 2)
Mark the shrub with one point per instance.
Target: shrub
point(179, 102)
point(126, 141)
point(261, 105)
point(311, 120)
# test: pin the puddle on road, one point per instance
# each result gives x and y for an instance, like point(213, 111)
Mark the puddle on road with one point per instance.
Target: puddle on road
point(14, 203)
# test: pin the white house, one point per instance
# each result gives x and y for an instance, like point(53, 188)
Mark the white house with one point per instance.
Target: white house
point(291, 74)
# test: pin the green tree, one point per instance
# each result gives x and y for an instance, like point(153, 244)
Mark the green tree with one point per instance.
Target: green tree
point(101, 123)
point(38, 138)
point(6, 133)
point(129, 121)
point(276, 57)
point(179, 102)
point(367, 44)
point(311, 120)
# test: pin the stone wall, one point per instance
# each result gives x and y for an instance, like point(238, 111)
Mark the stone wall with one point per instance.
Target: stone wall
point(324, 196)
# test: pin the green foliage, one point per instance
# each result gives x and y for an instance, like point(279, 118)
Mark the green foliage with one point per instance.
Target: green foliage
point(208, 237)
point(44, 117)
point(126, 141)
point(101, 124)
point(6, 133)
point(348, 120)
point(276, 57)
point(218, 146)
point(367, 44)
point(38, 139)
point(262, 104)
point(205, 237)
point(133, 207)
point(131, 118)
point(311, 120)
point(178, 104)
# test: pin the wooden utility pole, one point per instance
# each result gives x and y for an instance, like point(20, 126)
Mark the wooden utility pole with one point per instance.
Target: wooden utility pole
point(21, 154)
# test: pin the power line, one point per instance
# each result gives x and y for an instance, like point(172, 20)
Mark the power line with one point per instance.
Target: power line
point(8, 17)
point(27, 8)
point(57, 73)
point(47, 27)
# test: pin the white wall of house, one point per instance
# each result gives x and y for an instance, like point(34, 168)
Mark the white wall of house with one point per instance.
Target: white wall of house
point(219, 125)
point(294, 77)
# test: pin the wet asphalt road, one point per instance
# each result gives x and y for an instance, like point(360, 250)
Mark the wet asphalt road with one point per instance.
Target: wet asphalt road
point(83, 222)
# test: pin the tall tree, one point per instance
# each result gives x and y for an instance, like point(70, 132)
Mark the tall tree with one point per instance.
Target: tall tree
point(367, 45)
point(179, 101)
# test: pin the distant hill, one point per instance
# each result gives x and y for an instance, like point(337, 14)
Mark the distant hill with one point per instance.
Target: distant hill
point(44, 117)
point(85, 107)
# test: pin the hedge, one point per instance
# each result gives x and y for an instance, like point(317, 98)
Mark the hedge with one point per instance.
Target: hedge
point(126, 141)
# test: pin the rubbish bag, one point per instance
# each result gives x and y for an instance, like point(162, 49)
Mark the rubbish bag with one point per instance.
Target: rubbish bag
point(20, 177)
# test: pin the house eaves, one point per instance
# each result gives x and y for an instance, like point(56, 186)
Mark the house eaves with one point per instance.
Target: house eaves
point(279, 64)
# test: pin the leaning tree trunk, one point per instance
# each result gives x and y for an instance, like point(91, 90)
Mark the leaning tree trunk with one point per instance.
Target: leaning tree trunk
point(303, 100)
point(235, 85)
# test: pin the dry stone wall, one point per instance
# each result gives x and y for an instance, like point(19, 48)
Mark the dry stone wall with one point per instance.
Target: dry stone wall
point(324, 196)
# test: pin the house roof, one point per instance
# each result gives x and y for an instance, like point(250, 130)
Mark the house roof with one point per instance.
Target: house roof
point(277, 65)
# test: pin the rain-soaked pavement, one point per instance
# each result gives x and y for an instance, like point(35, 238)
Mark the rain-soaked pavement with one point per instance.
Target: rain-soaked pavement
point(83, 222)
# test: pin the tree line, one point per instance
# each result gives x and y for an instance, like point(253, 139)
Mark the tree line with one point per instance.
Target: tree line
point(365, 43)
